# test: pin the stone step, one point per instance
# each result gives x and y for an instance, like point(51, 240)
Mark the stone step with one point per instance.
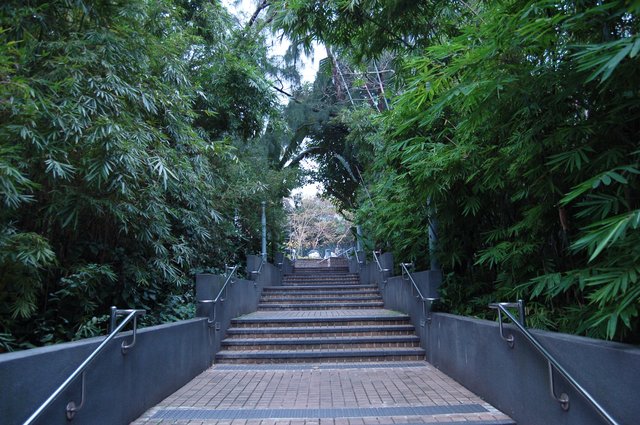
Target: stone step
point(319, 343)
point(325, 283)
point(334, 288)
point(320, 286)
point(322, 355)
point(325, 292)
point(322, 298)
point(365, 319)
point(320, 275)
point(315, 331)
point(328, 279)
point(321, 282)
point(320, 270)
point(321, 294)
point(320, 306)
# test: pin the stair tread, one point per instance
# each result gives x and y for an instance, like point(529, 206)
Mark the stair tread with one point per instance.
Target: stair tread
point(328, 340)
point(319, 299)
point(301, 290)
point(295, 303)
point(324, 352)
point(319, 287)
point(324, 329)
point(371, 314)
point(337, 296)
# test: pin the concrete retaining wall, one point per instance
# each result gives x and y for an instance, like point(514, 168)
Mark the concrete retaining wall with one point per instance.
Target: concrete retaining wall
point(515, 380)
point(119, 388)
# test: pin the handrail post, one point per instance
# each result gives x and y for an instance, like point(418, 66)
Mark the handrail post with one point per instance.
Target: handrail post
point(431, 301)
point(112, 318)
point(257, 272)
point(211, 320)
point(114, 314)
point(521, 311)
point(380, 269)
point(414, 288)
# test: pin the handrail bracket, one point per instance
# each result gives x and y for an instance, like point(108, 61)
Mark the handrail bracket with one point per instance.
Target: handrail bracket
point(71, 406)
point(564, 398)
point(114, 314)
point(510, 339)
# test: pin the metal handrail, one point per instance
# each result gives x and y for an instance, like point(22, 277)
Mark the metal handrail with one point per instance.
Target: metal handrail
point(346, 252)
point(426, 312)
point(355, 251)
point(259, 270)
point(383, 271)
point(212, 319)
point(71, 407)
point(405, 272)
point(375, 257)
point(551, 360)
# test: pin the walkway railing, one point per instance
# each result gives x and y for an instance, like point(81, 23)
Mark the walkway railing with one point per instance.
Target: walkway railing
point(347, 254)
point(377, 261)
point(380, 268)
point(551, 360)
point(259, 269)
point(417, 292)
point(222, 294)
point(72, 409)
point(355, 251)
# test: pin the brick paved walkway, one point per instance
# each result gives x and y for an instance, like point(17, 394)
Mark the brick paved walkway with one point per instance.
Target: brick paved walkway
point(323, 394)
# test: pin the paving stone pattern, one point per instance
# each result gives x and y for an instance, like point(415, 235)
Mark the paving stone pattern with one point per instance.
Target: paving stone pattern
point(337, 394)
point(335, 365)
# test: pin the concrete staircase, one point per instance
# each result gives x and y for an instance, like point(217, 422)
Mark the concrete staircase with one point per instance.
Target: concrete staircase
point(320, 314)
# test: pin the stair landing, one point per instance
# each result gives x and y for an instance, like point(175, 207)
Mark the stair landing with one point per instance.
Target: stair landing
point(321, 394)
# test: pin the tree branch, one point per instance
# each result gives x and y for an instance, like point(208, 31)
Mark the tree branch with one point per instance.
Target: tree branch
point(260, 8)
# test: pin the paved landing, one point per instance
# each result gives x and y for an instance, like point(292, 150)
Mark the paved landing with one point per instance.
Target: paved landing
point(322, 394)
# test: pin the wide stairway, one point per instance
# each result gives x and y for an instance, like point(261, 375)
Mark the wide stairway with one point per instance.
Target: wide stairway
point(320, 314)
point(322, 350)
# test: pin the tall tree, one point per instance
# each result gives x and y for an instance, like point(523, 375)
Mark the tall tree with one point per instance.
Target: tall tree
point(519, 121)
point(129, 139)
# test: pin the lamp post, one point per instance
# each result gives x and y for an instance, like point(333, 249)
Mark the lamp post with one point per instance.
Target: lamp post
point(264, 230)
point(433, 236)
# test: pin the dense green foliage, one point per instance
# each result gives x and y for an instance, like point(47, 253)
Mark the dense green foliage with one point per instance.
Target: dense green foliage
point(129, 158)
point(519, 121)
point(138, 138)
